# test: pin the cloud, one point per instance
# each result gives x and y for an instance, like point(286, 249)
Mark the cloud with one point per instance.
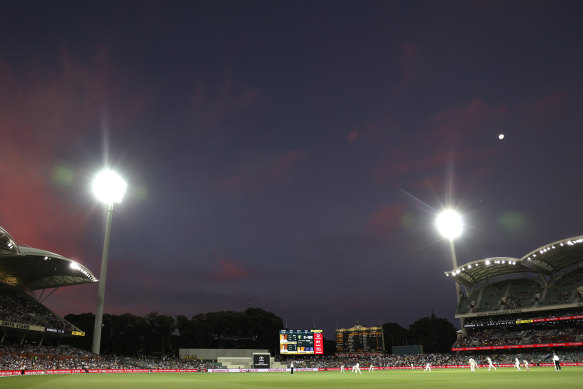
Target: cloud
point(210, 107)
point(269, 172)
point(386, 219)
point(409, 61)
point(142, 285)
point(543, 110)
point(33, 117)
point(430, 182)
point(437, 143)
point(364, 245)
point(353, 136)
point(227, 270)
point(49, 117)
point(465, 121)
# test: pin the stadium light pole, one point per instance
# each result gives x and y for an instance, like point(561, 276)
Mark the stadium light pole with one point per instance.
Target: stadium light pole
point(449, 223)
point(109, 188)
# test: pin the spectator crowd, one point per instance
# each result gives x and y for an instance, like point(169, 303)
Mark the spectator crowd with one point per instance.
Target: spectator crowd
point(434, 359)
point(18, 307)
point(30, 357)
point(33, 357)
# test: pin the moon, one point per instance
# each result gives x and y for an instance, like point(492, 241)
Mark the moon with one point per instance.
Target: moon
point(501, 136)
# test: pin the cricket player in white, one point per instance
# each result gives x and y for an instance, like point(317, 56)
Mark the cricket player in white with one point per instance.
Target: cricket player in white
point(557, 363)
point(517, 364)
point(356, 368)
point(341, 368)
point(525, 364)
point(490, 364)
point(428, 367)
point(472, 364)
point(370, 368)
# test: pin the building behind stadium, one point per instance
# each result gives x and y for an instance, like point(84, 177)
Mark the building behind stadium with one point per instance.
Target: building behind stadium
point(360, 339)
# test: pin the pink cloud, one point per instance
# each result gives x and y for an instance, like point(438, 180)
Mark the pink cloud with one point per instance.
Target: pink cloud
point(544, 109)
point(274, 171)
point(382, 130)
point(430, 182)
point(353, 136)
point(209, 108)
point(44, 113)
point(436, 142)
point(431, 163)
point(409, 63)
point(228, 270)
point(465, 121)
point(385, 219)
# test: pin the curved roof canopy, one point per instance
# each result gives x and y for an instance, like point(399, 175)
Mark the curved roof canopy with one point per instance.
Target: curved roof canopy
point(33, 269)
point(547, 259)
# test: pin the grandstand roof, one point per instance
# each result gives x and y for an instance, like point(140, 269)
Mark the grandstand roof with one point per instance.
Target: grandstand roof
point(483, 269)
point(547, 259)
point(34, 269)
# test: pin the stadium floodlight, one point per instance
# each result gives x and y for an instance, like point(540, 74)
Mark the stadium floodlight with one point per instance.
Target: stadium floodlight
point(109, 188)
point(449, 224)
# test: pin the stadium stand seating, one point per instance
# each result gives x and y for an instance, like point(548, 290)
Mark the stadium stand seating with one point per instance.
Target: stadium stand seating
point(532, 301)
point(18, 307)
point(564, 290)
point(34, 357)
point(522, 294)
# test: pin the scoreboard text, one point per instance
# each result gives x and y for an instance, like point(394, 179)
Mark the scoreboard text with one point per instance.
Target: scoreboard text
point(301, 342)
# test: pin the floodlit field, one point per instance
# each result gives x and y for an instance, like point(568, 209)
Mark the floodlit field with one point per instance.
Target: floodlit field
point(454, 378)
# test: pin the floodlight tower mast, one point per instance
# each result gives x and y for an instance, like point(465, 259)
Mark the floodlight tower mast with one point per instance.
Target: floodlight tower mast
point(109, 188)
point(450, 225)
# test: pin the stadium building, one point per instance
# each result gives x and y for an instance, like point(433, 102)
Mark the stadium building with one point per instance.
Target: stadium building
point(27, 277)
point(359, 339)
point(534, 302)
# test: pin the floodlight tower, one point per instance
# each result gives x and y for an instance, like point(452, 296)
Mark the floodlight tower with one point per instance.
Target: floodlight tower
point(109, 188)
point(450, 225)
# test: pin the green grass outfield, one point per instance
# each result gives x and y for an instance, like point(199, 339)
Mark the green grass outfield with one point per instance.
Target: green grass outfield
point(439, 378)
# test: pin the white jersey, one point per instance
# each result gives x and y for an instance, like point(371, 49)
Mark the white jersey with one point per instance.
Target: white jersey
point(517, 364)
point(490, 364)
point(472, 364)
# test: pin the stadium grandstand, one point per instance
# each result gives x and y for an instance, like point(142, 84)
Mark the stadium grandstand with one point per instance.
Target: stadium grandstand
point(533, 302)
point(27, 277)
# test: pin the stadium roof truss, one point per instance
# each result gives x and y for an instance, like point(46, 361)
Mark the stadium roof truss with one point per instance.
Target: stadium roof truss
point(35, 269)
point(546, 260)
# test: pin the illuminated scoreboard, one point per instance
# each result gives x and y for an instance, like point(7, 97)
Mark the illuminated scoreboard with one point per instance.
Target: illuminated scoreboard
point(301, 342)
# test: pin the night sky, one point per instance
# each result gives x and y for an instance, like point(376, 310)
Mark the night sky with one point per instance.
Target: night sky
point(289, 155)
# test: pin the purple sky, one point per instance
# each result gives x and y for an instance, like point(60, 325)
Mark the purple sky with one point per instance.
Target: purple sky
point(291, 155)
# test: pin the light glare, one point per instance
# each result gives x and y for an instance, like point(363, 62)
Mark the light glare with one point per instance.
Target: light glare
point(109, 187)
point(449, 224)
